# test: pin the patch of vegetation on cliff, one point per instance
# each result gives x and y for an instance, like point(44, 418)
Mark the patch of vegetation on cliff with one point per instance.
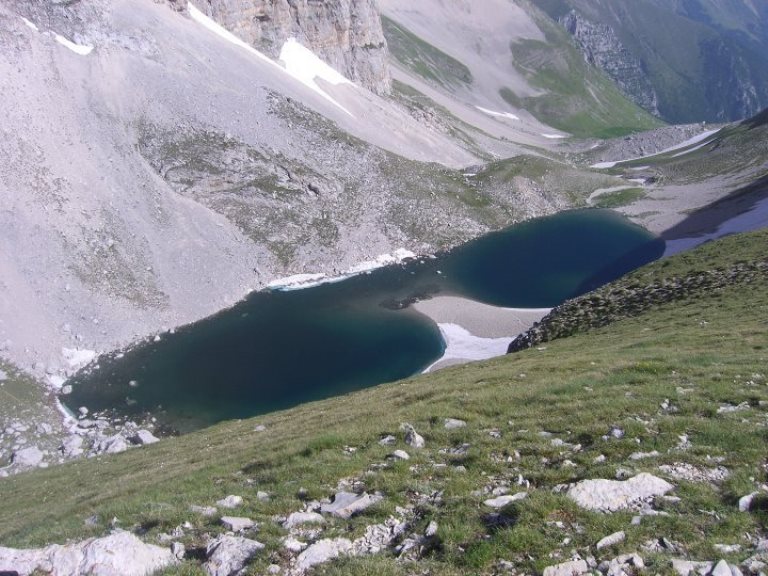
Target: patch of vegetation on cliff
point(683, 382)
point(422, 58)
point(576, 97)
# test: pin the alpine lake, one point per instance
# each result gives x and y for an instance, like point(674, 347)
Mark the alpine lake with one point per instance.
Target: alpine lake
point(280, 348)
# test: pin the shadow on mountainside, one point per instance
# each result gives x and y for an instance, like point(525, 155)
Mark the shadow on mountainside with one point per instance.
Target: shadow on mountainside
point(709, 218)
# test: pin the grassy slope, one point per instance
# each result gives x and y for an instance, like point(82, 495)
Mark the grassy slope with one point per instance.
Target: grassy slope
point(578, 98)
point(699, 354)
point(692, 56)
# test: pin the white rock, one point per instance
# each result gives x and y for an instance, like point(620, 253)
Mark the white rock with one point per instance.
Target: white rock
point(727, 548)
point(293, 545)
point(502, 501)
point(572, 568)
point(612, 495)
point(412, 438)
point(30, 457)
point(431, 529)
point(228, 555)
point(644, 455)
point(322, 551)
point(144, 437)
point(388, 440)
point(72, 446)
point(611, 540)
point(178, 550)
point(237, 523)
point(120, 554)
point(625, 564)
point(300, 518)
point(453, 423)
point(230, 501)
point(400, 455)
point(745, 502)
point(111, 445)
point(687, 567)
point(273, 569)
point(3, 376)
point(721, 569)
point(346, 504)
point(262, 496)
point(203, 510)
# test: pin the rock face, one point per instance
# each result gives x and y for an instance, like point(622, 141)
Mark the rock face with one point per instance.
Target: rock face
point(602, 48)
point(121, 553)
point(346, 34)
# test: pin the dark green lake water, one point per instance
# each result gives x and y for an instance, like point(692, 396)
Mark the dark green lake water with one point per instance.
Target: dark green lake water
point(278, 349)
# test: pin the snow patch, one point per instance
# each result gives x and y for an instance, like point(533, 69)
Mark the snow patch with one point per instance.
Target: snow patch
point(499, 114)
point(297, 280)
point(222, 32)
point(461, 344)
point(554, 136)
point(690, 142)
point(300, 63)
point(76, 358)
point(605, 165)
point(80, 49)
point(302, 281)
point(306, 67)
point(380, 261)
point(30, 24)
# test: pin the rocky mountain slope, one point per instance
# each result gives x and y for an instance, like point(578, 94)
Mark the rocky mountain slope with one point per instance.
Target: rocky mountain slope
point(688, 61)
point(637, 447)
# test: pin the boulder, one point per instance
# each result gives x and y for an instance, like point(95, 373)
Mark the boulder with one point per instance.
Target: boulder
point(72, 446)
point(412, 438)
point(301, 518)
point(236, 523)
point(322, 551)
point(745, 502)
point(30, 457)
point(230, 501)
point(453, 424)
point(203, 510)
point(613, 495)
point(119, 554)
point(611, 540)
point(400, 455)
point(144, 437)
point(502, 501)
point(228, 555)
point(689, 568)
point(572, 568)
point(346, 504)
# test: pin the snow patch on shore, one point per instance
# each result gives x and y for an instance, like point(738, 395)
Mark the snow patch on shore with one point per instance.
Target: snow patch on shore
point(76, 358)
point(554, 136)
point(461, 344)
point(302, 281)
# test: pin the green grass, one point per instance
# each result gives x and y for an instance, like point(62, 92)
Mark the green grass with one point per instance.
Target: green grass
point(425, 60)
point(619, 198)
point(699, 353)
point(576, 97)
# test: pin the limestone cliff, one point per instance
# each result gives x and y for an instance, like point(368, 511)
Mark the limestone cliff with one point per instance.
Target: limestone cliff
point(602, 48)
point(346, 34)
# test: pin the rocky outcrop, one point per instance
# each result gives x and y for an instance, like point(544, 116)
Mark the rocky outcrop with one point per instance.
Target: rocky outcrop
point(602, 48)
point(120, 553)
point(614, 302)
point(346, 34)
